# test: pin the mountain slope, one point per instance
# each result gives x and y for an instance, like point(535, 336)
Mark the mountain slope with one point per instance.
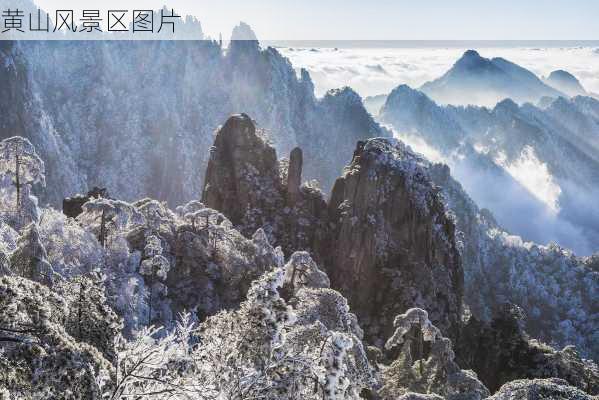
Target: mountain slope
point(126, 117)
point(522, 162)
point(482, 81)
point(383, 238)
point(566, 83)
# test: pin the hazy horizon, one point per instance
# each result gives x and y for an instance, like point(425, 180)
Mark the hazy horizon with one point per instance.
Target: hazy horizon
point(377, 70)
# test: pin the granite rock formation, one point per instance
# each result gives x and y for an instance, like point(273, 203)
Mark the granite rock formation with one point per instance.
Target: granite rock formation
point(500, 351)
point(245, 181)
point(385, 242)
point(393, 246)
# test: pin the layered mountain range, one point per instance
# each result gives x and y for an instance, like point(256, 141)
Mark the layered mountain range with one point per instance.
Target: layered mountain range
point(515, 160)
point(477, 80)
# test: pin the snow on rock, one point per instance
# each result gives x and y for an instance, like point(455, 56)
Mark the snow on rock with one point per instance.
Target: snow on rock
point(385, 221)
point(251, 324)
point(244, 180)
point(555, 389)
point(553, 287)
point(301, 271)
point(393, 244)
point(424, 362)
point(147, 129)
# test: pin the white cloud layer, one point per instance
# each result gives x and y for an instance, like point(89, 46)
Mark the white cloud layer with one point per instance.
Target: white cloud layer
point(372, 71)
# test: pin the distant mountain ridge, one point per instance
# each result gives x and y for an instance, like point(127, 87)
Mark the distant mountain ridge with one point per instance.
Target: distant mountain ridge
point(512, 155)
point(477, 80)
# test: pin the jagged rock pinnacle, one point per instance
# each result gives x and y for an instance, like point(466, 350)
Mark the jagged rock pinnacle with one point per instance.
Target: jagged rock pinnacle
point(294, 175)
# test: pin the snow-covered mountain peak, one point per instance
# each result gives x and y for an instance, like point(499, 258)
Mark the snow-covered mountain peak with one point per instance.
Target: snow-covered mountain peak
point(476, 80)
point(472, 61)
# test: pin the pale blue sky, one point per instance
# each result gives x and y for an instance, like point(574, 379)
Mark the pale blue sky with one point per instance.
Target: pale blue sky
point(381, 19)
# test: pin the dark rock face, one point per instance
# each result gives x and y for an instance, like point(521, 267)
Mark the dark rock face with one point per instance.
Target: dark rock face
point(384, 239)
point(243, 181)
point(499, 351)
point(73, 206)
point(386, 242)
point(242, 175)
point(15, 93)
point(294, 175)
point(393, 246)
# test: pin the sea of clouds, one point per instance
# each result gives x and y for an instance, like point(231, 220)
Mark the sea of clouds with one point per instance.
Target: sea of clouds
point(373, 71)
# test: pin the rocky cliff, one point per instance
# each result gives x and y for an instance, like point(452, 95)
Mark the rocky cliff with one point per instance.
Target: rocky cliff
point(385, 241)
point(553, 287)
point(254, 190)
point(393, 245)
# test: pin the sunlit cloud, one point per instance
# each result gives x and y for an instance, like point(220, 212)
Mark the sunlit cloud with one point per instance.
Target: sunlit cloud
point(372, 71)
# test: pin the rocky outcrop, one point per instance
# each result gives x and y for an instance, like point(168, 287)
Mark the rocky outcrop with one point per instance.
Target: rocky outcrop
point(393, 245)
point(500, 264)
point(385, 242)
point(500, 351)
point(140, 128)
point(294, 176)
point(539, 389)
point(16, 93)
point(423, 362)
point(243, 175)
point(301, 271)
point(244, 181)
point(546, 282)
point(73, 206)
point(211, 265)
